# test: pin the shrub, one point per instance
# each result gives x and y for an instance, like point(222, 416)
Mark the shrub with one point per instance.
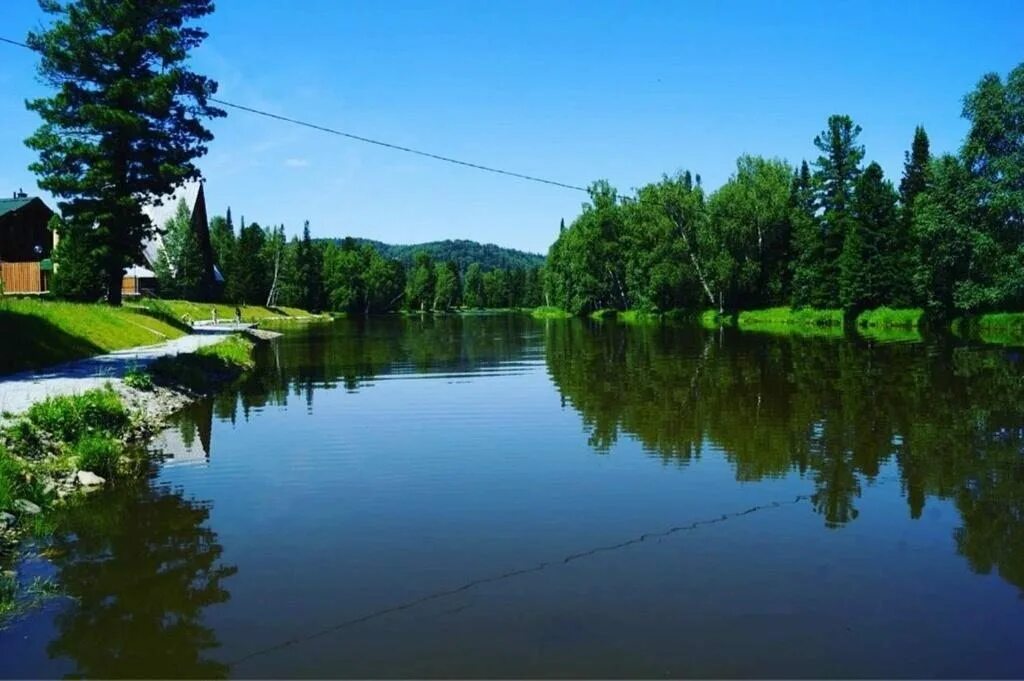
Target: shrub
point(70, 417)
point(138, 379)
point(99, 454)
point(11, 479)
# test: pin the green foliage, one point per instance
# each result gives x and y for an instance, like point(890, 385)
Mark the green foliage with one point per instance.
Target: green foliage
point(125, 120)
point(99, 454)
point(222, 240)
point(874, 259)
point(179, 265)
point(11, 479)
point(890, 318)
point(201, 371)
point(248, 281)
point(447, 287)
point(48, 332)
point(419, 287)
point(462, 252)
point(138, 379)
point(67, 418)
point(77, 275)
point(358, 280)
point(787, 316)
point(549, 312)
point(915, 175)
point(473, 287)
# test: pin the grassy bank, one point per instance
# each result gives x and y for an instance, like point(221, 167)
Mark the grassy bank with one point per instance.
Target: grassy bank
point(47, 332)
point(549, 312)
point(183, 309)
point(998, 328)
point(65, 445)
point(891, 318)
point(204, 370)
point(788, 316)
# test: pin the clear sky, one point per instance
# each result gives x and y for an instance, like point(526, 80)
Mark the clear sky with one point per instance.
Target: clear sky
point(573, 91)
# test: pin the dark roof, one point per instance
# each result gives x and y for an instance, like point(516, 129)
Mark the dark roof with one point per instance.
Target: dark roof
point(11, 205)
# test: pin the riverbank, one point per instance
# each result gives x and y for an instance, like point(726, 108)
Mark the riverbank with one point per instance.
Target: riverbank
point(884, 323)
point(69, 444)
point(49, 332)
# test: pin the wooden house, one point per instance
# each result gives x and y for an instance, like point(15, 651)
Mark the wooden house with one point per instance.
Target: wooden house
point(26, 244)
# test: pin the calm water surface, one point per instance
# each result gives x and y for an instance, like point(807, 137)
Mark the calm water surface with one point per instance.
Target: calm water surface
point(498, 496)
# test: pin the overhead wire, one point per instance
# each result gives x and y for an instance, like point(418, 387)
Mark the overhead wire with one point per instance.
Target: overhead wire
point(376, 142)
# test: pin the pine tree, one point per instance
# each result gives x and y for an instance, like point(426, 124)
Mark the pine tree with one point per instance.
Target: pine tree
point(473, 289)
point(126, 121)
point(915, 173)
point(836, 170)
point(77, 275)
point(222, 239)
point(870, 264)
point(247, 282)
point(179, 266)
point(808, 245)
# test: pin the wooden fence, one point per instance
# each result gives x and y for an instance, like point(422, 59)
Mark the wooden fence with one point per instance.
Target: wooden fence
point(23, 277)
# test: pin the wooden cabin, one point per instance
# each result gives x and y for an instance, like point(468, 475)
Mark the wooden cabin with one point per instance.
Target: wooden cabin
point(26, 244)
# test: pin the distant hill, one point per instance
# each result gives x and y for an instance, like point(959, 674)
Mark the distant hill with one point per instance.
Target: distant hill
point(462, 251)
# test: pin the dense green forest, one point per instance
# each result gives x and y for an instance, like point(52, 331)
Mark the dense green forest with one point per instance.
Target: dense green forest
point(355, 276)
point(462, 252)
point(832, 233)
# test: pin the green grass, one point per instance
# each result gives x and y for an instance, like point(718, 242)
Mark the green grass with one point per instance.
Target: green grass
point(68, 418)
point(788, 316)
point(201, 371)
point(11, 478)
point(638, 317)
point(138, 379)
point(549, 312)
point(184, 309)
point(712, 319)
point(891, 318)
point(99, 454)
point(997, 328)
point(49, 332)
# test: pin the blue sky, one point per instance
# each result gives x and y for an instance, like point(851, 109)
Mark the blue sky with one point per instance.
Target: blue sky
point(573, 91)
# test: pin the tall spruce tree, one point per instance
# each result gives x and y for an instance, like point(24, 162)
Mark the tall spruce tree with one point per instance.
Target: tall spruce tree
point(808, 246)
point(836, 170)
point(915, 173)
point(222, 239)
point(126, 121)
point(870, 263)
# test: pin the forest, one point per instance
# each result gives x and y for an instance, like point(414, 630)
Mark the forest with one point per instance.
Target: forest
point(833, 233)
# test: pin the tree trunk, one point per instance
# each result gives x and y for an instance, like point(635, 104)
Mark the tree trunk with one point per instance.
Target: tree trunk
point(114, 277)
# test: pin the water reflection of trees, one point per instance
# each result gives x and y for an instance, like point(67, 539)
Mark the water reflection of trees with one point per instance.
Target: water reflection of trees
point(140, 566)
point(350, 354)
point(950, 417)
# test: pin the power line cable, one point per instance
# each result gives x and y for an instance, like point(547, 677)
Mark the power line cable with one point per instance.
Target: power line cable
point(376, 142)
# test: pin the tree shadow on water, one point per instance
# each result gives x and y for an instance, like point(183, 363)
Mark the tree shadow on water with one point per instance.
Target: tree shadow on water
point(139, 566)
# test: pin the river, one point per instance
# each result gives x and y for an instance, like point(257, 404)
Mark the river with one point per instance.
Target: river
point(493, 495)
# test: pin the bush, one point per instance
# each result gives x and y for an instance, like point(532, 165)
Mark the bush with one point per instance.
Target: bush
point(11, 479)
point(99, 454)
point(138, 379)
point(69, 417)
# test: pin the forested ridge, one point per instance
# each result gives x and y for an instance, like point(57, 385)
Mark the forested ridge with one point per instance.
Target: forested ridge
point(830, 233)
point(463, 252)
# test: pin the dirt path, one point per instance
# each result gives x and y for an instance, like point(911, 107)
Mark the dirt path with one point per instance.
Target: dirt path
point(19, 391)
